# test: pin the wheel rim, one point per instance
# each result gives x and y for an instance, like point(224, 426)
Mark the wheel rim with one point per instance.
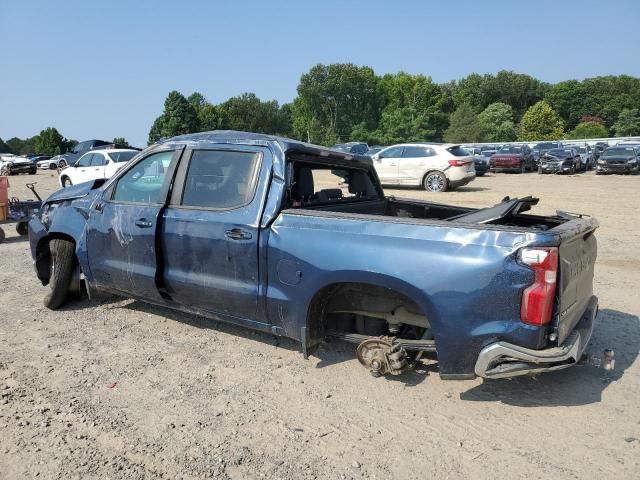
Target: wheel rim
point(434, 182)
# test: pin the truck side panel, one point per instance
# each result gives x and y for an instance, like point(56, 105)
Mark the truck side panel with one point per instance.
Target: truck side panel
point(465, 280)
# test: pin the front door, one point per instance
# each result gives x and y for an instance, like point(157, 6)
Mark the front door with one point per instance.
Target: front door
point(121, 238)
point(386, 164)
point(211, 229)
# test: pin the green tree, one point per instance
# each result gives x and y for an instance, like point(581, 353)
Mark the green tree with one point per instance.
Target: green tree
point(412, 109)
point(50, 142)
point(588, 130)
point(20, 146)
point(120, 141)
point(206, 112)
point(518, 90)
point(333, 99)
point(247, 112)
point(4, 148)
point(178, 118)
point(541, 122)
point(496, 123)
point(566, 98)
point(628, 123)
point(463, 125)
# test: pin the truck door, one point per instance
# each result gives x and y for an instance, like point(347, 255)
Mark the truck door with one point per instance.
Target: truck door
point(210, 230)
point(121, 229)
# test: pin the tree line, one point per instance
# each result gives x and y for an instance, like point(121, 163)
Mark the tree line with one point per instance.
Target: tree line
point(345, 102)
point(48, 142)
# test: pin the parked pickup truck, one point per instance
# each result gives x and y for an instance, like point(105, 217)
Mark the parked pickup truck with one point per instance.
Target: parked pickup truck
point(301, 241)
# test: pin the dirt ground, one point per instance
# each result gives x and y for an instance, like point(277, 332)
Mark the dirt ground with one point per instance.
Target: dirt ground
point(120, 389)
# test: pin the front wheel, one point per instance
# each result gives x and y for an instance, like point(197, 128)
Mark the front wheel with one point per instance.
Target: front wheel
point(540, 170)
point(63, 262)
point(435, 182)
point(5, 172)
point(62, 164)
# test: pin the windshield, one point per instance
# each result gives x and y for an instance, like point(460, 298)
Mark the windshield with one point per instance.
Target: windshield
point(563, 152)
point(119, 157)
point(626, 151)
point(510, 149)
point(546, 146)
point(582, 150)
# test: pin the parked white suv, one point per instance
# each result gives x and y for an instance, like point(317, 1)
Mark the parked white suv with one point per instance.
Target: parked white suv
point(96, 164)
point(434, 167)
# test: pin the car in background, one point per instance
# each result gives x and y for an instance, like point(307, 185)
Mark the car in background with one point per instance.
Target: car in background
point(359, 148)
point(47, 162)
point(374, 149)
point(618, 160)
point(559, 160)
point(14, 165)
point(95, 165)
point(598, 148)
point(540, 149)
point(434, 167)
point(586, 156)
point(79, 150)
point(480, 162)
point(512, 158)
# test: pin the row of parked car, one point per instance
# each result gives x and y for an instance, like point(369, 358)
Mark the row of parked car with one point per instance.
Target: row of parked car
point(438, 167)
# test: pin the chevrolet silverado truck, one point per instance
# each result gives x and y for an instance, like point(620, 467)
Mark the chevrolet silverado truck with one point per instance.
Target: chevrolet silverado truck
point(300, 241)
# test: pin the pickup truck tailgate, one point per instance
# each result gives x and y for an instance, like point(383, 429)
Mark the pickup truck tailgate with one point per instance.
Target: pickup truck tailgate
point(577, 252)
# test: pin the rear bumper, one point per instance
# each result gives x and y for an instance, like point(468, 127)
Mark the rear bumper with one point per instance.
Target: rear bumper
point(503, 360)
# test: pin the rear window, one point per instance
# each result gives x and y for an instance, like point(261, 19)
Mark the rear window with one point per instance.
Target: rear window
point(619, 151)
point(458, 151)
point(510, 149)
point(119, 157)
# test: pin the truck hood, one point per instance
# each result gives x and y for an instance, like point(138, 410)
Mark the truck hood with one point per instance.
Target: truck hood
point(76, 191)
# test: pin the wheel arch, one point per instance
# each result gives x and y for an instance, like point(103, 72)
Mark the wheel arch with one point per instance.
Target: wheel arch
point(43, 254)
point(384, 288)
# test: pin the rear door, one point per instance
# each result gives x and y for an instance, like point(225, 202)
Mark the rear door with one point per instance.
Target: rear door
point(121, 229)
point(386, 164)
point(210, 230)
point(414, 162)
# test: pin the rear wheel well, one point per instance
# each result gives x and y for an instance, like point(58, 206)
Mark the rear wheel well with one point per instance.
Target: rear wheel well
point(362, 308)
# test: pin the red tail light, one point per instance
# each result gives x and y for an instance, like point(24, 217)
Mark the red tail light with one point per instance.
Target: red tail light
point(458, 163)
point(537, 300)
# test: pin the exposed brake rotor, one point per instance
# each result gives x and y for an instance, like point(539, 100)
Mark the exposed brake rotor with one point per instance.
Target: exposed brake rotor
point(382, 355)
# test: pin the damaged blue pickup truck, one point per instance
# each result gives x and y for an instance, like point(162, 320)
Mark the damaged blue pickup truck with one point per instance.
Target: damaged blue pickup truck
point(301, 241)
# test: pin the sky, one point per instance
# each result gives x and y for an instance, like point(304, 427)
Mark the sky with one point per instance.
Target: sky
point(103, 69)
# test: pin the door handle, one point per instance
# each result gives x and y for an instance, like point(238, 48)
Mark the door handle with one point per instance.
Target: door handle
point(143, 223)
point(237, 234)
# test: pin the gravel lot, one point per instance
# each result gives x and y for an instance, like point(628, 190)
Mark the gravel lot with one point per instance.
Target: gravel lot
point(120, 389)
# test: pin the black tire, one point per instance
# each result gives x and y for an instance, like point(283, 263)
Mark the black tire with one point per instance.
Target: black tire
point(540, 172)
point(66, 182)
point(63, 264)
point(32, 172)
point(573, 170)
point(53, 166)
point(435, 182)
point(2, 235)
point(523, 168)
point(479, 174)
point(22, 228)
point(62, 164)
point(5, 172)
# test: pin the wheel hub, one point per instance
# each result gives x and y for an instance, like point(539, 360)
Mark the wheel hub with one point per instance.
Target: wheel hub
point(382, 355)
